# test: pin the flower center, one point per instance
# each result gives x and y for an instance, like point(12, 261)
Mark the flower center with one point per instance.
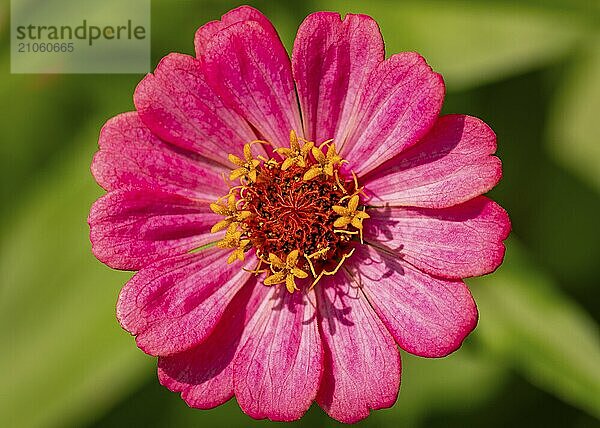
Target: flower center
point(296, 209)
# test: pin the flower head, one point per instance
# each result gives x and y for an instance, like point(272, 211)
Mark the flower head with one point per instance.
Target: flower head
point(292, 222)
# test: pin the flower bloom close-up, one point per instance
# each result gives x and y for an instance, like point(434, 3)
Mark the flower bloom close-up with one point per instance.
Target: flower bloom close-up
point(294, 220)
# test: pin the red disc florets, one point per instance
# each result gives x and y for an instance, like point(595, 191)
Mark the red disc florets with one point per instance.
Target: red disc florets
point(298, 211)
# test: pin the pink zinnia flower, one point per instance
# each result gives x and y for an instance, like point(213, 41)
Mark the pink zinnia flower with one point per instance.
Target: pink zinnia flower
point(293, 222)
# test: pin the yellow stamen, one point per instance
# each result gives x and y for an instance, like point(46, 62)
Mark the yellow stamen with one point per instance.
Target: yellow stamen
point(285, 271)
point(247, 166)
point(233, 239)
point(230, 211)
point(326, 162)
point(257, 270)
point(350, 216)
point(296, 154)
point(316, 255)
point(332, 272)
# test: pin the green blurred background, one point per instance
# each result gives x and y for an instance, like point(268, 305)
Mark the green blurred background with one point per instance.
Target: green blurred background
point(531, 69)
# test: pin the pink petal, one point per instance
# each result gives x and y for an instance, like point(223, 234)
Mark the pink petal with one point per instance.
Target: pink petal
point(130, 229)
point(177, 105)
point(403, 101)
point(279, 364)
point(204, 374)
point(132, 157)
point(456, 242)
point(249, 68)
point(427, 316)
point(174, 304)
point(452, 164)
point(331, 61)
point(239, 14)
point(362, 363)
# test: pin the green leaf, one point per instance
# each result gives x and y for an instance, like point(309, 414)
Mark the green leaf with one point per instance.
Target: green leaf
point(573, 126)
point(65, 358)
point(528, 322)
point(473, 43)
